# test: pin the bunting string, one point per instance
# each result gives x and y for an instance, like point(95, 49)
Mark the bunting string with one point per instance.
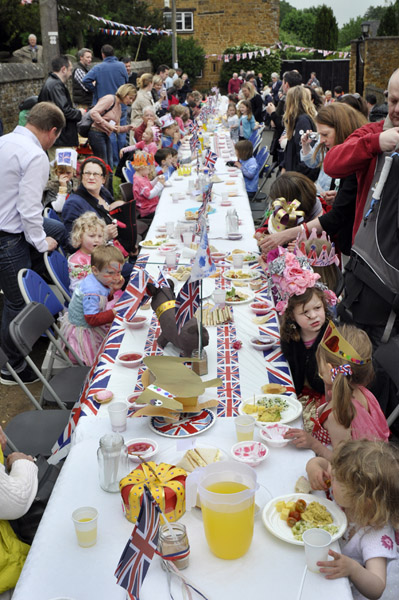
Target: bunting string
point(267, 50)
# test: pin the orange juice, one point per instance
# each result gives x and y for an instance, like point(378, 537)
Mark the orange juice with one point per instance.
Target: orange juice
point(228, 527)
point(87, 537)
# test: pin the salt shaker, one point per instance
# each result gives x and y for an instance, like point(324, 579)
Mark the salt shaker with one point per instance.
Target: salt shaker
point(112, 461)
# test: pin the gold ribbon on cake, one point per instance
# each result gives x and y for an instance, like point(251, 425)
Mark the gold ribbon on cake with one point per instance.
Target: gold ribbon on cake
point(164, 307)
point(286, 214)
point(165, 478)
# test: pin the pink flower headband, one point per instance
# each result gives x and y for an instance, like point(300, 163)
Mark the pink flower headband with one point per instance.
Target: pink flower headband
point(290, 275)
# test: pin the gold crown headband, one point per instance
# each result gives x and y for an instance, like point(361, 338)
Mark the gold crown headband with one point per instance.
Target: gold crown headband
point(334, 343)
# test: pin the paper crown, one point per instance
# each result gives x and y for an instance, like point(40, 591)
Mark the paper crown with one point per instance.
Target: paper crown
point(334, 343)
point(285, 215)
point(316, 258)
point(142, 159)
point(166, 121)
point(156, 133)
point(66, 157)
point(290, 275)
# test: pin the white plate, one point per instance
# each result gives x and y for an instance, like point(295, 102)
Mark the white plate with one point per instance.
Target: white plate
point(145, 244)
point(249, 257)
point(248, 293)
point(174, 459)
point(289, 414)
point(279, 528)
point(252, 275)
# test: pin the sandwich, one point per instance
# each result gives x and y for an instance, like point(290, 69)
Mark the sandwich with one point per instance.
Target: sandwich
point(199, 457)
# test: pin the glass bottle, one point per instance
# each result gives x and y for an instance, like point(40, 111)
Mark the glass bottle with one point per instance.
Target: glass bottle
point(112, 460)
point(168, 545)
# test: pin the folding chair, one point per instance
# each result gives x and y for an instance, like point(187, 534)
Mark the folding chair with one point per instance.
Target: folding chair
point(126, 191)
point(256, 139)
point(34, 289)
point(387, 357)
point(128, 172)
point(32, 322)
point(57, 268)
point(50, 213)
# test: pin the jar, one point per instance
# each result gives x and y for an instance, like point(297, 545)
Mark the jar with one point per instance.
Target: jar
point(113, 462)
point(201, 366)
point(167, 545)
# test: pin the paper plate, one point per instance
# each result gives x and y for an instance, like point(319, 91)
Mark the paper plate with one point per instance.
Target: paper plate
point(155, 244)
point(279, 528)
point(250, 296)
point(246, 274)
point(249, 257)
point(291, 413)
point(188, 425)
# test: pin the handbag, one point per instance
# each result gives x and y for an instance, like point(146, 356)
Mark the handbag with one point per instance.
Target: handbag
point(26, 526)
point(86, 121)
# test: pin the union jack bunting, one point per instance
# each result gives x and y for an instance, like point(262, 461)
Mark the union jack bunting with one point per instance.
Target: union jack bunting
point(210, 160)
point(139, 551)
point(203, 265)
point(187, 302)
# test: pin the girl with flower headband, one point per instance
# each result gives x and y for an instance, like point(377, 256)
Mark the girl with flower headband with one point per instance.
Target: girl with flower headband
point(146, 192)
point(352, 411)
point(365, 483)
point(304, 305)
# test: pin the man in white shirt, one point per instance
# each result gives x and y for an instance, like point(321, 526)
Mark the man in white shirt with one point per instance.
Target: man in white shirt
point(24, 171)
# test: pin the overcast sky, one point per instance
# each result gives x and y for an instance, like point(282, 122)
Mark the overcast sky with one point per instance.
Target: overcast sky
point(343, 9)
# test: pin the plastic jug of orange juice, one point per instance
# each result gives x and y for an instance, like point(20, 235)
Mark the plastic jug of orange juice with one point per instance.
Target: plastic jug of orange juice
point(226, 492)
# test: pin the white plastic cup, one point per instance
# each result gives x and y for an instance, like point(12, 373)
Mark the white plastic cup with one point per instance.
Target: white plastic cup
point(187, 238)
point(317, 544)
point(85, 521)
point(238, 261)
point(175, 198)
point(170, 258)
point(170, 228)
point(245, 425)
point(118, 416)
point(219, 297)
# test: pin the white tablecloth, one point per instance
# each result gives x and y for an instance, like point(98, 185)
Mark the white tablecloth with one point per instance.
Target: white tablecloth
point(57, 567)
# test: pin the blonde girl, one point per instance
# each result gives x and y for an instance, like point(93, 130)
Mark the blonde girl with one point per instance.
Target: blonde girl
point(351, 410)
point(247, 123)
point(233, 121)
point(88, 232)
point(299, 116)
point(143, 99)
point(146, 189)
point(365, 483)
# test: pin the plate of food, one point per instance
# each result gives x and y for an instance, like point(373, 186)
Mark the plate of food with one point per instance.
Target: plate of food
point(157, 243)
point(199, 456)
point(287, 517)
point(240, 274)
point(248, 257)
point(191, 214)
point(189, 424)
point(235, 296)
point(271, 408)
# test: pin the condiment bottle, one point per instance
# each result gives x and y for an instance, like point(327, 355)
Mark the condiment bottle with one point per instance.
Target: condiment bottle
point(113, 462)
point(167, 545)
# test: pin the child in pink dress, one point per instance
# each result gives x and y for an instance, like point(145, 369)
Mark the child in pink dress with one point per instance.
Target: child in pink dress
point(146, 192)
point(88, 232)
point(150, 143)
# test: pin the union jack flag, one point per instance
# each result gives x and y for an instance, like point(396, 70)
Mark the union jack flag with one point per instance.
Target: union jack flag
point(210, 160)
point(194, 141)
point(139, 551)
point(136, 290)
point(203, 264)
point(193, 126)
point(162, 281)
point(187, 302)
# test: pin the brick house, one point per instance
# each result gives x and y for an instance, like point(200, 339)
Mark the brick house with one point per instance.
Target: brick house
point(218, 24)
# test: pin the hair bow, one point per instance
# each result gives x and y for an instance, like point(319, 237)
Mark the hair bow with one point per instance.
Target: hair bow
point(344, 370)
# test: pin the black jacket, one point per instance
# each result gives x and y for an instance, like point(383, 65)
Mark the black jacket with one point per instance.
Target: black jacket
point(292, 158)
point(54, 90)
point(303, 363)
point(80, 96)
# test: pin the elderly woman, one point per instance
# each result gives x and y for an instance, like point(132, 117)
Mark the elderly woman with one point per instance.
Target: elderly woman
point(106, 115)
point(249, 92)
point(92, 195)
point(144, 98)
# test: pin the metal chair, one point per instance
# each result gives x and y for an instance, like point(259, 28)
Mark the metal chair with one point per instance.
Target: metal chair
point(28, 326)
point(57, 268)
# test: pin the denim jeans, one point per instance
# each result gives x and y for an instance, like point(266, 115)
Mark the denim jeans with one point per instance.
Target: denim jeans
point(119, 140)
point(14, 255)
point(101, 145)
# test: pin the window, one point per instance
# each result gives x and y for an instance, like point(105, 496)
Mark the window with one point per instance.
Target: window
point(184, 21)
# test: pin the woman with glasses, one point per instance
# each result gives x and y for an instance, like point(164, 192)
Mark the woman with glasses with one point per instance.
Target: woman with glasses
point(93, 195)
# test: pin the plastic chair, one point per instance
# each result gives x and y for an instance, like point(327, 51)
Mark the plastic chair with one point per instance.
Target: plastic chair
point(50, 213)
point(126, 191)
point(34, 289)
point(128, 172)
point(33, 321)
point(57, 268)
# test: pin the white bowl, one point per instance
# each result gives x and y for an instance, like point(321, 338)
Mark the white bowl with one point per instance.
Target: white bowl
point(273, 434)
point(136, 323)
point(261, 307)
point(250, 453)
point(131, 362)
point(152, 449)
point(262, 342)
point(216, 256)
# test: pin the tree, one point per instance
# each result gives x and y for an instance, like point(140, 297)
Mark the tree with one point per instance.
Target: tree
point(191, 55)
point(326, 29)
point(388, 24)
point(301, 24)
point(285, 8)
point(350, 31)
point(267, 64)
point(17, 21)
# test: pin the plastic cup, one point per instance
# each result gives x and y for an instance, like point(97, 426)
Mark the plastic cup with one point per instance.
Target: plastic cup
point(170, 258)
point(187, 238)
point(170, 228)
point(317, 543)
point(238, 261)
point(219, 297)
point(175, 198)
point(118, 416)
point(85, 521)
point(245, 425)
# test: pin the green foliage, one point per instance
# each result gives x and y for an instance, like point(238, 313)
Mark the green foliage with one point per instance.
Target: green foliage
point(350, 31)
point(301, 24)
point(388, 24)
point(374, 12)
point(285, 8)
point(17, 21)
point(261, 64)
point(190, 54)
point(326, 29)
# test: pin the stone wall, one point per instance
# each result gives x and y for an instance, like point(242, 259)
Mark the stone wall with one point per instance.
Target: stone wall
point(219, 24)
point(381, 58)
point(19, 81)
